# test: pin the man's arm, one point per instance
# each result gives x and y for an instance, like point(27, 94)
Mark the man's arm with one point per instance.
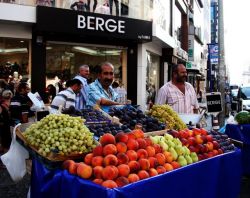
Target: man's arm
point(107, 102)
point(161, 97)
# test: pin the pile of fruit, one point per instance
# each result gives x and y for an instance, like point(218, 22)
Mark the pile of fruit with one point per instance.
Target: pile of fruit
point(164, 113)
point(130, 117)
point(130, 157)
point(101, 129)
point(226, 144)
point(60, 134)
point(94, 116)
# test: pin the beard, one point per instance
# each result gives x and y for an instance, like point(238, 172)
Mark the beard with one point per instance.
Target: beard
point(181, 78)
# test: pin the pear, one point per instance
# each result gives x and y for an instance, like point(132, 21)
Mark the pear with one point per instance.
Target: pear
point(164, 146)
point(173, 153)
point(182, 161)
point(194, 157)
point(170, 143)
point(189, 159)
point(154, 139)
point(187, 151)
point(179, 149)
point(177, 141)
point(168, 137)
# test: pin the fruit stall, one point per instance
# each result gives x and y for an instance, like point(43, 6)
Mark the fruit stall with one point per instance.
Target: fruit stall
point(133, 155)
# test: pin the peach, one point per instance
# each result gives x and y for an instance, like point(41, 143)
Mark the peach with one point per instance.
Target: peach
point(160, 158)
point(132, 144)
point(158, 148)
point(142, 143)
point(98, 181)
point(97, 151)
point(123, 170)
point(109, 184)
point(131, 136)
point(122, 158)
point(160, 169)
point(109, 149)
point(84, 171)
point(109, 172)
point(143, 174)
point(148, 142)
point(153, 162)
point(107, 138)
point(121, 137)
point(168, 167)
point(134, 166)
point(168, 156)
point(138, 133)
point(110, 160)
point(152, 172)
point(97, 172)
point(121, 147)
point(142, 153)
point(70, 165)
point(121, 181)
point(151, 151)
point(132, 155)
point(144, 164)
point(133, 178)
point(97, 161)
point(88, 158)
point(175, 164)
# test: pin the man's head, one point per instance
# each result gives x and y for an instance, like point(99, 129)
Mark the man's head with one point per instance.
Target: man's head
point(23, 88)
point(84, 71)
point(74, 84)
point(106, 74)
point(179, 73)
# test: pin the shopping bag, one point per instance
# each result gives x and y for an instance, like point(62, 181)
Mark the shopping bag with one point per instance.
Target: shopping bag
point(14, 159)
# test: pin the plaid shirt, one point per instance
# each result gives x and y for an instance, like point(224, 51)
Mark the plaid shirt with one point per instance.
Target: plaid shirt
point(181, 103)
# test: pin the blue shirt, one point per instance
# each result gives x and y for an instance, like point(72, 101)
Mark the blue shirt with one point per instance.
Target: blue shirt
point(82, 96)
point(96, 92)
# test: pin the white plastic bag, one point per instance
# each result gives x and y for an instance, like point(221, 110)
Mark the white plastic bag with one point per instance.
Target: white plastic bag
point(14, 159)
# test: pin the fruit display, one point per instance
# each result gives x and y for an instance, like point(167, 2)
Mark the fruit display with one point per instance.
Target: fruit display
point(101, 129)
point(205, 144)
point(126, 158)
point(60, 134)
point(130, 117)
point(94, 116)
point(242, 117)
point(164, 113)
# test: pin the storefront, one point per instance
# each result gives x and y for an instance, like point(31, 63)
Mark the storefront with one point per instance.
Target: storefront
point(62, 40)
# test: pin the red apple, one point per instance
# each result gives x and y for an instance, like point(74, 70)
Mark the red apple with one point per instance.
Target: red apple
point(193, 149)
point(210, 146)
point(198, 139)
point(184, 141)
point(196, 131)
point(204, 149)
point(220, 151)
point(210, 138)
point(203, 131)
point(216, 144)
point(191, 141)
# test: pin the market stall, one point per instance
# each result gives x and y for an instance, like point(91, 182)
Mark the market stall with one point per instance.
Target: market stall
point(213, 177)
point(241, 133)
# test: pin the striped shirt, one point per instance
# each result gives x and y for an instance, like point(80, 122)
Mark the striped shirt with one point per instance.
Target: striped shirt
point(96, 92)
point(180, 102)
point(65, 98)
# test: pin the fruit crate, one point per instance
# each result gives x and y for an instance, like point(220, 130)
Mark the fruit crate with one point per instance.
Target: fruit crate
point(53, 160)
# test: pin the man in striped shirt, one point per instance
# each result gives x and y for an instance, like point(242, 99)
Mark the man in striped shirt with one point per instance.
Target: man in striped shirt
point(66, 98)
point(178, 93)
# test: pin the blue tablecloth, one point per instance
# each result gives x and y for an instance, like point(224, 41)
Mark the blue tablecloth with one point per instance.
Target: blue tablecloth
point(241, 133)
point(212, 178)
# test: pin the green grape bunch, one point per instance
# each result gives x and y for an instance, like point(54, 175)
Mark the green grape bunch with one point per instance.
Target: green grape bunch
point(62, 134)
point(164, 113)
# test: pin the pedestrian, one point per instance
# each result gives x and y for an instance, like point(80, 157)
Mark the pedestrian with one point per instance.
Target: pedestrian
point(66, 98)
point(5, 120)
point(79, 6)
point(82, 96)
point(21, 103)
point(94, 5)
point(178, 93)
point(101, 91)
point(228, 104)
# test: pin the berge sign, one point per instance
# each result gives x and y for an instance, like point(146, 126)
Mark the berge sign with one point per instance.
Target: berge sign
point(214, 102)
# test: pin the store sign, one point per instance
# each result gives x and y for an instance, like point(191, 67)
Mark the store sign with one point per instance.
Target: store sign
point(99, 24)
point(213, 53)
point(214, 102)
point(91, 26)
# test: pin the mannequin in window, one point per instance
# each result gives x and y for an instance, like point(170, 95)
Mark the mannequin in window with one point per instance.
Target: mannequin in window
point(94, 6)
point(116, 7)
point(80, 6)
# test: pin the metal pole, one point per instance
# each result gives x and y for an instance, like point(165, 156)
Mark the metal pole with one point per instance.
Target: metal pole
point(221, 66)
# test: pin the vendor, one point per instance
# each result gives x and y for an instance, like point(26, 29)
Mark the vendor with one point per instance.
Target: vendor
point(178, 93)
point(101, 91)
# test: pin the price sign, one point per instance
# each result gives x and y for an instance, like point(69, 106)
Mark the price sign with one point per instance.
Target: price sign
point(214, 102)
